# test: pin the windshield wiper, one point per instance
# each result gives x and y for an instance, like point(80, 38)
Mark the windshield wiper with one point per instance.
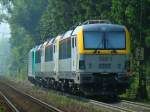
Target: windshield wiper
point(112, 50)
point(101, 42)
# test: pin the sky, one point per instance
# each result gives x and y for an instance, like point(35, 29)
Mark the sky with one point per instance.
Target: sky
point(4, 30)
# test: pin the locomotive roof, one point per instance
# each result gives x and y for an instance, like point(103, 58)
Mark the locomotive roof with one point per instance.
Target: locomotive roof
point(86, 27)
point(58, 37)
point(45, 43)
point(76, 30)
point(50, 42)
point(34, 49)
point(39, 47)
point(103, 27)
point(67, 34)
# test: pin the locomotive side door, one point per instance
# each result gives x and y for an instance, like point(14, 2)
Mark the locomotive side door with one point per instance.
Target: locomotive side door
point(74, 52)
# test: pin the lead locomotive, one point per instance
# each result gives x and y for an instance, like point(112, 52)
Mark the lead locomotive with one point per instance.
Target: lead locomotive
point(93, 59)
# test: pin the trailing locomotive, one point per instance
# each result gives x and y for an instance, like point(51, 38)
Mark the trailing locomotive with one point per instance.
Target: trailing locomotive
point(92, 59)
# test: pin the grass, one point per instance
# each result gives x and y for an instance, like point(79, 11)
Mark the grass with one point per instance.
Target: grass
point(69, 104)
point(2, 109)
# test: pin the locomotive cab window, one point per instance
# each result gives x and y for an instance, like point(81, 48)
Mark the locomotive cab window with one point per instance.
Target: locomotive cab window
point(93, 40)
point(65, 49)
point(38, 56)
point(49, 53)
point(115, 40)
point(104, 40)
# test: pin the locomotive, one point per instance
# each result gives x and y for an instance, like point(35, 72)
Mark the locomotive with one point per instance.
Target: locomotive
point(93, 59)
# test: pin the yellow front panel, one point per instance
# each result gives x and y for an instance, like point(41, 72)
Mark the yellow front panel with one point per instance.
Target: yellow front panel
point(80, 41)
point(127, 41)
point(83, 51)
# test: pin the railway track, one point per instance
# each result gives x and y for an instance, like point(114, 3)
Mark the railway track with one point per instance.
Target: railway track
point(120, 106)
point(111, 107)
point(6, 104)
point(106, 106)
point(138, 107)
point(25, 102)
point(123, 106)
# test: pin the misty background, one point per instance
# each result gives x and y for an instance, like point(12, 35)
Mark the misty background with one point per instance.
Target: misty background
point(5, 35)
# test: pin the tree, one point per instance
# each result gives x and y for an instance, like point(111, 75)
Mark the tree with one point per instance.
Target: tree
point(56, 19)
point(24, 22)
point(26, 14)
point(134, 14)
point(60, 17)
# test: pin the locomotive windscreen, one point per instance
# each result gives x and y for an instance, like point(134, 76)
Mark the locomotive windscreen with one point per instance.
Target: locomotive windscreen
point(104, 40)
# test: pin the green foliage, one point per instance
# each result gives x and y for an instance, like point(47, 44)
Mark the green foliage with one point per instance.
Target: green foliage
point(59, 16)
point(24, 22)
point(26, 14)
point(56, 19)
point(21, 43)
point(135, 15)
point(2, 109)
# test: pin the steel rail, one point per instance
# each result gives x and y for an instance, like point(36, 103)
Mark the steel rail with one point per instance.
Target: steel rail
point(11, 105)
point(110, 106)
point(45, 105)
point(146, 106)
